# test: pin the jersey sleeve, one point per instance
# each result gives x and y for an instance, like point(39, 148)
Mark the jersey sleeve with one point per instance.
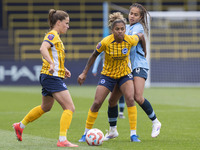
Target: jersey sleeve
point(51, 38)
point(138, 29)
point(100, 46)
point(134, 39)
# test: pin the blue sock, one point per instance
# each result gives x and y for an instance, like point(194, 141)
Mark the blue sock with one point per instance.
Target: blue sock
point(146, 106)
point(121, 104)
point(112, 115)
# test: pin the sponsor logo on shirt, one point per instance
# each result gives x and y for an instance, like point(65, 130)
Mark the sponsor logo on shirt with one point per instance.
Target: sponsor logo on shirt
point(119, 58)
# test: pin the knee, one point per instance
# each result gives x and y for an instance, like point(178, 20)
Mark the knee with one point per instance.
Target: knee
point(46, 109)
point(96, 106)
point(112, 103)
point(139, 99)
point(71, 107)
point(130, 101)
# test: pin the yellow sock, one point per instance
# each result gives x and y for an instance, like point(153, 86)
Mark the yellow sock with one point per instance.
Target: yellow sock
point(132, 116)
point(34, 114)
point(65, 121)
point(91, 119)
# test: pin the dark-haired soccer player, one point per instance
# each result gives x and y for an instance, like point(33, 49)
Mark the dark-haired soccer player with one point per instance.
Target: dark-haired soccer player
point(116, 75)
point(138, 24)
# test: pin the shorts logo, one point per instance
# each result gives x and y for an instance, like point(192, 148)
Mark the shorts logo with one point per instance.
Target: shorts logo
point(103, 81)
point(130, 75)
point(137, 70)
point(50, 36)
point(64, 85)
point(125, 50)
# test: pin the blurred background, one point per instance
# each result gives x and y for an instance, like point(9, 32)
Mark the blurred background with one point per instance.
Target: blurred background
point(174, 43)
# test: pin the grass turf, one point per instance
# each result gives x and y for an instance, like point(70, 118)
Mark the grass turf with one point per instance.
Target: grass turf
point(178, 109)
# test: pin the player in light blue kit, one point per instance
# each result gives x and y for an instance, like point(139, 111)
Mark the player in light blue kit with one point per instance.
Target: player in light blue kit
point(138, 24)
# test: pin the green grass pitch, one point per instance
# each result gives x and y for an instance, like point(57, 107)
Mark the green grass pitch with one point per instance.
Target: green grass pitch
point(178, 109)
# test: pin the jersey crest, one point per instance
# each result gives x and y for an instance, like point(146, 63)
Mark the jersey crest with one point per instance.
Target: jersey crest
point(130, 32)
point(124, 51)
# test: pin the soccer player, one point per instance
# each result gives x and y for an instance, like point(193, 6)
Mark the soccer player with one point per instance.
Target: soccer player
point(138, 24)
point(51, 79)
point(121, 100)
point(116, 74)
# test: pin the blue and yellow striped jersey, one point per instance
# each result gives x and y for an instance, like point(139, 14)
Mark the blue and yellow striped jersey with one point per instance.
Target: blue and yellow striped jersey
point(57, 54)
point(116, 61)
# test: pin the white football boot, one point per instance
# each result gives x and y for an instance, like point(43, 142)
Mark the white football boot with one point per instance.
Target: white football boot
point(111, 134)
point(121, 115)
point(155, 129)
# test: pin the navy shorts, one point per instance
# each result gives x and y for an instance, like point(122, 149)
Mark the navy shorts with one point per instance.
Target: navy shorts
point(140, 72)
point(51, 84)
point(109, 82)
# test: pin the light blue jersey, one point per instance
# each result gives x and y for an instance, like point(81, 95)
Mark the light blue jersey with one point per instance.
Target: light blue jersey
point(137, 55)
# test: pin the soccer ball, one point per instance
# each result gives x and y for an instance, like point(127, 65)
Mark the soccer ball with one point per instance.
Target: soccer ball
point(94, 137)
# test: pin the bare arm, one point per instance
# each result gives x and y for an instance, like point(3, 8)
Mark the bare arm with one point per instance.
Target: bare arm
point(90, 62)
point(45, 53)
point(143, 42)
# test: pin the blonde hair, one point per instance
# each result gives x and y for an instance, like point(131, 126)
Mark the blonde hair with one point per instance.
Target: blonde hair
point(55, 15)
point(114, 18)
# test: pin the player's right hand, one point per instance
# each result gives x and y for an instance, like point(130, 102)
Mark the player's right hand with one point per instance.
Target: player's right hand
point(51, 69)
point(81, 78)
